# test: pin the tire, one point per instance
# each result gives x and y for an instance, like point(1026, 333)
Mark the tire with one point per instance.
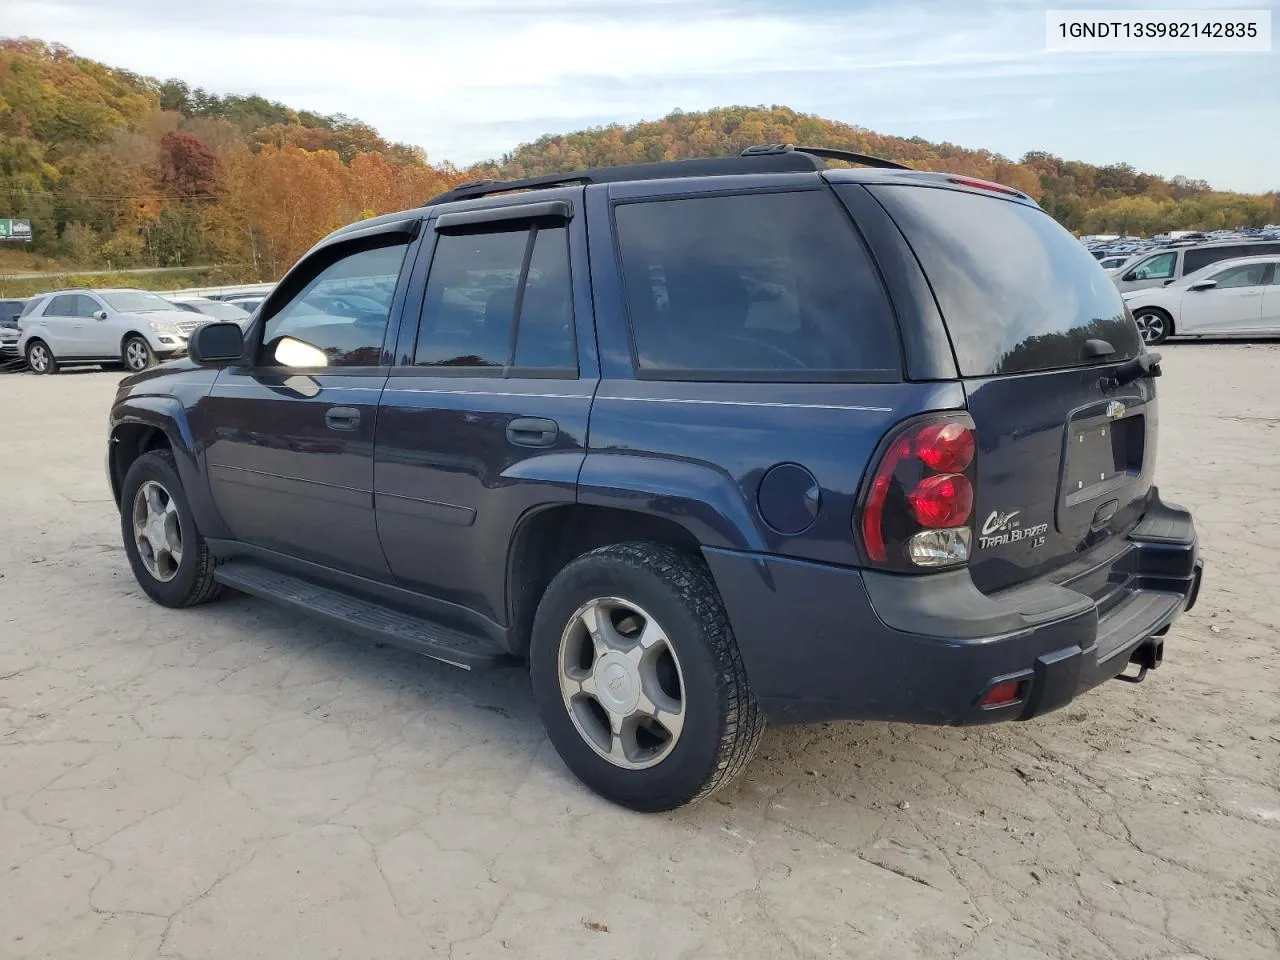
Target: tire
point(40, 359)
point(1155, 325)
point(189, 581)
point(720, 723)
point(136, 354)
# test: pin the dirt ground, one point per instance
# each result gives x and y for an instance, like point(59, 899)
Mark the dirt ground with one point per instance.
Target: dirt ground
point(232, 782)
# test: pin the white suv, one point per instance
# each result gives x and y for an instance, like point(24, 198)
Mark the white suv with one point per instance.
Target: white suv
point(132, 328)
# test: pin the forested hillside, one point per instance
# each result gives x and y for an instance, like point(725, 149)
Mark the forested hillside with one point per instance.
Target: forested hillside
point(117, 170)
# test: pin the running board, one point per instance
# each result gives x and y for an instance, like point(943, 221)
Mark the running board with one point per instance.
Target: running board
point(372, 620)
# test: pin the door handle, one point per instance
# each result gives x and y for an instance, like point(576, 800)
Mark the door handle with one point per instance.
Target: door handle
point(533, 432)
point(342, 418)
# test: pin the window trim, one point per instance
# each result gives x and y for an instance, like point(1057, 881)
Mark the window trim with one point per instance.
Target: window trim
point(529, 222)
point(702, 375)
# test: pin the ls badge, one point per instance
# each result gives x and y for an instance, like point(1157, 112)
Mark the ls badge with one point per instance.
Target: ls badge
point(1002, 528)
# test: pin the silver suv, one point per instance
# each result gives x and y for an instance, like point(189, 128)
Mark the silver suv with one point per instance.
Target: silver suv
point(130, 328)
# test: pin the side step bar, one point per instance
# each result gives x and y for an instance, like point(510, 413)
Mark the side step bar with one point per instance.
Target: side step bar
point(379, 623)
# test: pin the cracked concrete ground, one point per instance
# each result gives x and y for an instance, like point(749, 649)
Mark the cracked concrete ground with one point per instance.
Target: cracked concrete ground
point(234, 782)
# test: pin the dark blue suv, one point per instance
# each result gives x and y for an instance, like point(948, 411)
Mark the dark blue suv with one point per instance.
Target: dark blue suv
point(706, 443)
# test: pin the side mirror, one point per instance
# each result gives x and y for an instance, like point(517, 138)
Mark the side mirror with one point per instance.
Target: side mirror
point(216, 344)
point(1167, 282)
point(100, 315)
point(1204, 285)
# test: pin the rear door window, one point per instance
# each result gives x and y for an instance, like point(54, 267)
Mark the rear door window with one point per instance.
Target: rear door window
point(1196, 259)
point(753, 287)
point(1017, 291)
point(1245, 275)
point(500, 302)
point(62, 306)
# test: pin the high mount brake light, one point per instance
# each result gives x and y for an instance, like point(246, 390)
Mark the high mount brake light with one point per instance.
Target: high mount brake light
point(986, 185)
point(918, 508)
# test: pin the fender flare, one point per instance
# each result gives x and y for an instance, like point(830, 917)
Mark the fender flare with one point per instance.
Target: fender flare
point(168, 415)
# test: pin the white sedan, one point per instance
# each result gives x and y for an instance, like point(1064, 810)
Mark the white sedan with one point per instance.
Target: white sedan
point(1229, 297)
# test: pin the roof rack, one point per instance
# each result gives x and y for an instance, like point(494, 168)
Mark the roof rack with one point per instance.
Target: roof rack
point(766, 158)
point(827, 153)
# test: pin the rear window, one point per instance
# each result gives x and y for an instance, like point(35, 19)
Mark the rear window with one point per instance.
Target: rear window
point(1017, 291)
point(765, 286)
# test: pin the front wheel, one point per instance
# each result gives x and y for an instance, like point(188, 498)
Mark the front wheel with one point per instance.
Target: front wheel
point(638, 679)
point(1154, 325)
point(169, 557)
point(137, 354)
point(40, 358)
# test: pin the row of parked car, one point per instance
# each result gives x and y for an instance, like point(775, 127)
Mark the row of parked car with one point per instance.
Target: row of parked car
point(118, 328)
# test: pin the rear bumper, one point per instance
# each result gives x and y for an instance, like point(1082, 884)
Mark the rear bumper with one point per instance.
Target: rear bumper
point(826, 643)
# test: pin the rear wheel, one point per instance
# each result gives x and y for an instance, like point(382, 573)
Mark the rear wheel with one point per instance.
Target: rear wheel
point(1155, 325)
point(40, 358)
point(638, 679)
point(137, 354)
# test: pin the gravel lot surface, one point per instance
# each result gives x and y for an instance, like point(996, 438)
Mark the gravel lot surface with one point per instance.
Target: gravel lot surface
point(232, 782)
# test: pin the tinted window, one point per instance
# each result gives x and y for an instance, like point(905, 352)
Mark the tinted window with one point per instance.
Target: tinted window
point(1249, 275)
point(1154, 268)
point(62, 306)
point(763, 284)
point(545, 337)
point(343, 310)
point(477, 280)
point(31, 306)
point(1195, 259)
point(1017, 291)
point(470, 305)
point(86, 306)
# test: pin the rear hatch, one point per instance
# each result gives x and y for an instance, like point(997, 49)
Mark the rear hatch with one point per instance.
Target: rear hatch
point(1064, 458)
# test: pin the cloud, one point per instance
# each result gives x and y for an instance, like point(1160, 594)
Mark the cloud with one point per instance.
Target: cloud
point(470, 80)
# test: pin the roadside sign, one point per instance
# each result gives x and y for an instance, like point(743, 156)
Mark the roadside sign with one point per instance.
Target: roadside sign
point(18, 230)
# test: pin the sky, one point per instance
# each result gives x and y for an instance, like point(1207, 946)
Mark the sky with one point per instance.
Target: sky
point(471, 80)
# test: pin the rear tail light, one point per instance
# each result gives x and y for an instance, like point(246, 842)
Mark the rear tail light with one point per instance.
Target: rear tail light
point(917, 511)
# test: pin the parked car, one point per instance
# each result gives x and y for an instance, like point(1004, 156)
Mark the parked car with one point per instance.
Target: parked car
point(10, 310)
point(247, 304)
point(1113, 263)
point(129, 328)
point(214, 309)
point(706, 443)
point(1231, 297)
point(1165, 266)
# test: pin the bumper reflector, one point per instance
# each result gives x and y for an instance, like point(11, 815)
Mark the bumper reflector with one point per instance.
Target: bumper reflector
point(1003, 694)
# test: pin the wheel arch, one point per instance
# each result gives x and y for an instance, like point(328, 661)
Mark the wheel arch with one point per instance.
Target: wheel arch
point(547, 539)
point(145, 423)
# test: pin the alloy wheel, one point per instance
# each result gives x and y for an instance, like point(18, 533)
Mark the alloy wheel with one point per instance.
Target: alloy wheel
point(621, 682)
point(157, 531)
point(136, 356)
point(1151, 326)
point(38, 358)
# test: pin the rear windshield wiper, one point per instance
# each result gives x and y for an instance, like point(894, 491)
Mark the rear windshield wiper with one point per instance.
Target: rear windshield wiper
point(1143, 365)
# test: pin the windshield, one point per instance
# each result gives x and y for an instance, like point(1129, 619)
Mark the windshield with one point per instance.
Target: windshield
point(135, 301)
point(1017, 291)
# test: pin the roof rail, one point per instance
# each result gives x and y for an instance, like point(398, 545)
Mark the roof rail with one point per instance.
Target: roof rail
point(827, 153)
point(777, 161)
